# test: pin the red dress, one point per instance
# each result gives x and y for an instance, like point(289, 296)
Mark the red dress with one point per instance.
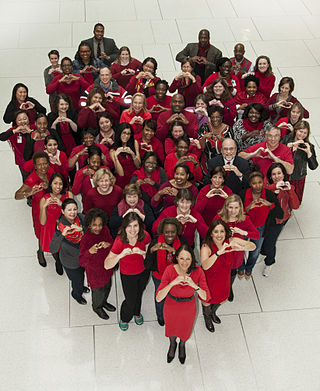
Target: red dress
point(48, 230)
point(218, 277)
point(179, 317)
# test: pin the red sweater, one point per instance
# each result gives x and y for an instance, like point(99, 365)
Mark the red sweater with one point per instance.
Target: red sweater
point(170, 146)
point(258, 215)
point(97, 275)
point(163, 126)
point(105, 202)
point(283, 112)
point(87, 118)
point(189, 91)
point(168, 200)
point(188, 229)
point(126, 116)
point(82, 161)
point(242, 97)
point(82, 184)
point(136, 85)
point(266, 83)
point(171, 161)
point(74, 89)
point(123, 80)
point(155, 145)
point(153, 103)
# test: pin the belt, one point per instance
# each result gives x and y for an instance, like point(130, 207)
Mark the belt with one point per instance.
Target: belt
point(180, 299)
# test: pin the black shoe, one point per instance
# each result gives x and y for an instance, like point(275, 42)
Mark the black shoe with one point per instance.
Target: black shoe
point(59, 268)
point(231, 296)
point(109, 307)
point(82, 300)
point(29, 201)
point(169, 357)
point(102, 313)
point(207, 318)
point(86, 289)
point(161, 322)
point(215, 318)
point(41, 259)
point(182, 353)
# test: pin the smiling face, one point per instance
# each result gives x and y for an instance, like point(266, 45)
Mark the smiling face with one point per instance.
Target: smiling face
point(96, 98)
point(94, 162)
point(105, 76)
point(169, 233)
point(233, 210)
point(22, 119)
point(63, 106)
point(147, 133)
point(301, 134)
point(148, 67)
point(85, 53)
point(132, 230)
point(295, 115)
point(251, 88)
point(184, 206)
point(125, 135)
point(225, 69)
point(137, 104)
point(182, 149)
point(57, 186)
point(161, 91)
point(239, 52)
point(105, 124)
point(42, 124)
point(21, 94)
point(285, 89)
point(41, 166)
point(273, 139)
point(254, 116)
point(70, 212)
point(52, 147)
point(201, 103)
point(177, 103)
point(277, 175)
point(98, 33)
point(96, 225)
point(180, 176)
point(229, 149)
point(216, 119)
point(218, 234)
point(54, 60)
point(186, 67)
point(184, 260)
point(132, 200)
point(124, 56)
point(88, 139)
point(66, 67)
point(104, 183)
point(218, 89)
point(177, 131)
point(150, 165)
point(217, 181)
point(263, 65)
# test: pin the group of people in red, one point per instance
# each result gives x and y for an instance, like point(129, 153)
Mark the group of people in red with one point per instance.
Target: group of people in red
point(221, 157)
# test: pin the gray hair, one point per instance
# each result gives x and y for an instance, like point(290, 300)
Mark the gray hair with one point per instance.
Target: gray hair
point(272, 128)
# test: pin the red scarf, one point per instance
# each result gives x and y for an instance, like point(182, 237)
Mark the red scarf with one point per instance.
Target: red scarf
point(250, 127)
point(123, 207)
point(155, 176)
point(73, 237)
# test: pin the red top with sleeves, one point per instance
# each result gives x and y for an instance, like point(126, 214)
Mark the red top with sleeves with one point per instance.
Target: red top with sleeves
point(153, 104)
point(229, 111)
point(258, 215)
point(82, 161)
point(209, 207)
point(266, 83)
point(284, 130)
point(253, 234)
point(82, 183)
point(146, 187)
point(170, 146)
point(126, 116)
point(283, 112)
point(233, 82)
point(73, 90)
point(288, 200)
point(171, 161)
point(132, 263)
point(155, 146)
point(137, 85)
point(282, 152)
point(164, 257)
point(106, 202)
point(97, 275)
point(188, 229)
point(87, 118)
point(242, 97)
point(168, 200)
point(189, 91)
point(163, 126)
point(123, 80)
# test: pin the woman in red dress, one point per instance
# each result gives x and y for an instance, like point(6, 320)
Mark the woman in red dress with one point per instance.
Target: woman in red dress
point(216, 260)
point(50, 211)
point(125, 154)
point(212, 197)
point(124, 67)
point(178, 285)
point(136, 114)
point(129, 248)
point(35, 186)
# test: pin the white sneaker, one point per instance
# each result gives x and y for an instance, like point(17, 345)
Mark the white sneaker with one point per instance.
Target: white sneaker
point(260, 259)
point(266, 271)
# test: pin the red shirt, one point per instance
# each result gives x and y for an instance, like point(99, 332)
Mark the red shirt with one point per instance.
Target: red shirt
point(282, 152)
point(242, 97)
point(133, 263)
point(152, 103)
point(126, 116)
point(82, 184)
point(163, 126)
point(171, 161)
point(82, 160)
point(258, 215)
point(105, 202)
point(233, 82)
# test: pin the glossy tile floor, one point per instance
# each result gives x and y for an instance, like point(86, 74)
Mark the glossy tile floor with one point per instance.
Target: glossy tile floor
point(269, 338)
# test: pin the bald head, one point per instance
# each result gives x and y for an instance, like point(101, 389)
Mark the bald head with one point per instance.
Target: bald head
point(229, 149)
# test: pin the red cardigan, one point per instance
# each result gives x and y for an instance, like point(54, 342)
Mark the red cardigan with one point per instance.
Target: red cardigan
point(123, 80)
point(189, 91)
point(163, 126)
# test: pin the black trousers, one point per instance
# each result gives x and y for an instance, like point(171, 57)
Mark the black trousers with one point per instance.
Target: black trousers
point(100, 295)
point(133, 287)
point(269, 244)
point(76, 276)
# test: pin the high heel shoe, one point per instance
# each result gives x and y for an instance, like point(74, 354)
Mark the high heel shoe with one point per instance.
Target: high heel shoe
point(169, 357)
point(182, 353)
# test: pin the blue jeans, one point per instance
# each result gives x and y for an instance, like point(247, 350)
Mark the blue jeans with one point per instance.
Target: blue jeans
point(159, 306)
point(253, 255)
point(269, 244)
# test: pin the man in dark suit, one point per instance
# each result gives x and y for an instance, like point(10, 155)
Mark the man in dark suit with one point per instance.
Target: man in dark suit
point(103, 48)
point(237, 168)
point(203, 54)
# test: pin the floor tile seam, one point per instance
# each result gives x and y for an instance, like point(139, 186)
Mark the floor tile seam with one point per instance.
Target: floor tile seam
point(209, 8)
point(309, 50)
point(256, 27)
point(229, 25)
point(199, 360)
point(256, 292)
point(303, 2)
point(288, 310)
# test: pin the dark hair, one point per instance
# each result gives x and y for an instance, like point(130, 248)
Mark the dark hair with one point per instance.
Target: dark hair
point(98, 25)
point(212, 226)
point(253, 78)
point(50, 137)
point(150, 154)
point(214, 109)
point(299, 106)
point(184, 194)
point(185, 60)
point(40, 115)
point(93, 91)
point(57, 100)
point(167, 221)
point(107, 115)
point(117, 138)
point(14, 91)
point(255, 174)
point(67, 202)
point(39, 155)
point(127, 219)
point(288, 80)
point(188, 248)
point(202, 97)
point(164, 82)
point(258, 107)
point(218, 170)
point(154, 62)
point(94, 150)
point(221, 61)
point(302, 124)
point(182, 138)
point(282, 168)
point(151, 123)
point(53, 177)
point(54, 52)
point(93, 214)
point(15, 115)
point(66, 59)
point(186, 169)
point(91, 131)
point(173, 124)
point(77, 56)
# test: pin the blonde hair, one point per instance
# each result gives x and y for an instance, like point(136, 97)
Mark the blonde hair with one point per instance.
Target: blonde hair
point(223, 213)
point(137, 94)
point(100, 173)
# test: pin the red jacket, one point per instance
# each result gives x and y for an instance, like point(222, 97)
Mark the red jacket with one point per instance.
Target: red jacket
point(126, 116)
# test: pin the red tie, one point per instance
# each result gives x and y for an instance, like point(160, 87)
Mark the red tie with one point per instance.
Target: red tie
point(228, 172)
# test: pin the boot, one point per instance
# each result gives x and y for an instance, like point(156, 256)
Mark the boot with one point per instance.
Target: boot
point(59, 268)
point(207, 318)
point(214, 316)
point(41, 259)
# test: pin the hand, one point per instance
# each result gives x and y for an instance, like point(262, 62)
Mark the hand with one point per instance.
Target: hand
point(97, 108)
point(94, 249)
point(195, 142)
point(183, 118)
point(149, 75)
point(213, 192)
point(141, 75)
point(104, 56)
point(128, 150)
point(125, 252)
point(119, 150)
point(35, 189)
point(201, 111)
point(178, 280)
point(235, 169)
point(55, 200)
point(137, 250)
point(137, 211)
point(181, 75)
point(239, 231)
point(149, 181)
point(146, 147)
point(89, 171)
point(172, 118)
point(109, 97)
point(264, 202)
point(247, 74)
point(284, 104)
point(28, 105)
point(104, 244)
point(226, 248)
point(189, 281)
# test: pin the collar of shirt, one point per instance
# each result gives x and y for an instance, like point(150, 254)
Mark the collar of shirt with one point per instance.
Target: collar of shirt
point(228, 161)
